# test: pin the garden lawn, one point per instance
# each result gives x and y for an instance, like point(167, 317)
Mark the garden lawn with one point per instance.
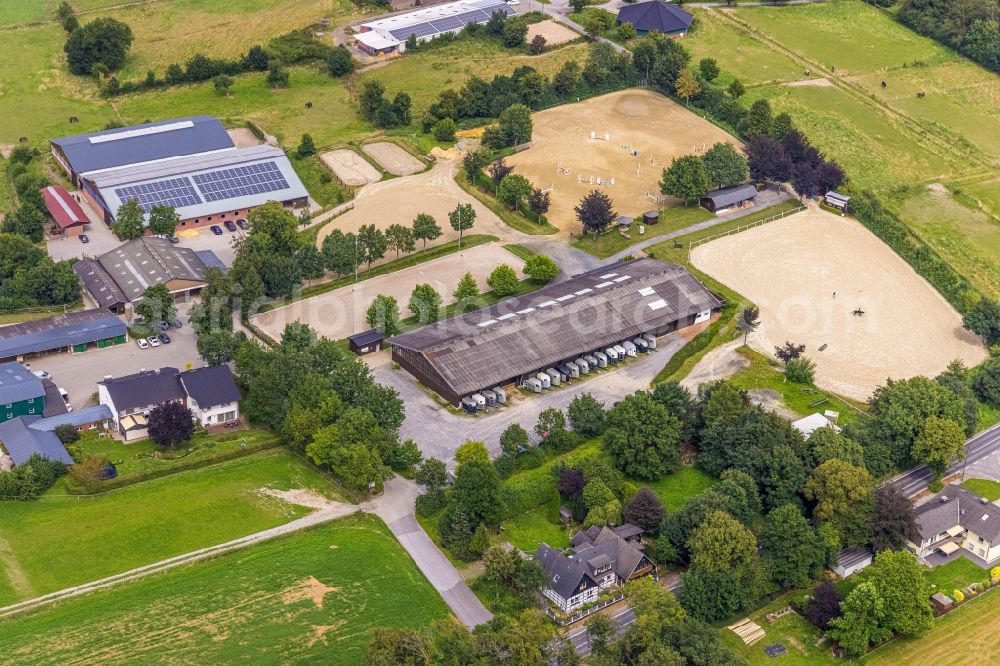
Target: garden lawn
point(530, 529)
point(802, 399)
point(985, 488)
point(143, 459)
point(957, 574)
point(965, 636)
point(874, 40)
point(676, 489)
point(784, 630)
point(309, 597)
point(59, 541)
point(671, 219)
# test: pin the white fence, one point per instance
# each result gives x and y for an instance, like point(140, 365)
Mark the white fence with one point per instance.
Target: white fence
point(742, 227)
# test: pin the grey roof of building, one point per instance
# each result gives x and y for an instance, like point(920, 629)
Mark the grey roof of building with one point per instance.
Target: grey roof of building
point(625, 557)
point(727, 196)
point(23, 441)
point(563, 574)
point(559, 321)
point(54, 403)
point(955, 505)
point(851, 557)
point(655, 16)
point(211, 260)
point(144, 143)
point(99, 283)
point(81, 417)
point(366, 337)
point(142, 389)
point(63, 330)
point(145, 261)
point(627, 530)
point(210, 386)
point(17, 383)
point(108, 181)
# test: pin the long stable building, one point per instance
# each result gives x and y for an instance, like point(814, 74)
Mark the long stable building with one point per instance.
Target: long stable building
point(389, 33)
point(74, 332)
point(507, 343)
point(189, 163)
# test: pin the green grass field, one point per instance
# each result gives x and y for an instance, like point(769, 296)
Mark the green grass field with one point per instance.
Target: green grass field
point(60, 541)
point(310, 597)
point(985, 488)
point(671, 219)
point(530, 529)
point(959, 573)
point(677, 488)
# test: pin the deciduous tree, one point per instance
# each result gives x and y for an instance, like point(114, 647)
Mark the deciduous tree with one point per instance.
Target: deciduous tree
point(425, 228)
point(425, 303)
point(503, 281)
point(642, 437)
point(586, 415)
point(792, 549)
point(541, 268)
point(383, 315)
point(645, 510)
point(725, 165)
point(129, 220)
point(894, 520)
point(170, 424)
point(595, 213)
point(939, 443)
point(686, 178)
point(103, 41)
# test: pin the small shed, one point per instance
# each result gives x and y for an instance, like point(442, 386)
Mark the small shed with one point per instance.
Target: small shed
point(852, 560)
point(726, 198)
point(565, 515)
point(624, 222)
point(651, 217)
point(65, 210)
point(942, 602)
point(837, 200)
point(367, 342)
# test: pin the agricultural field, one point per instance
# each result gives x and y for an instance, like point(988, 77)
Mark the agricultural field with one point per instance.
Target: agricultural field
point(811, 273)
point(637, 133)
point(312, 596)
point(59, 541)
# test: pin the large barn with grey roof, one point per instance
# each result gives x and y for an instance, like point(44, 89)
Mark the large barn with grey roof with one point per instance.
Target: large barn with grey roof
point(507, 343)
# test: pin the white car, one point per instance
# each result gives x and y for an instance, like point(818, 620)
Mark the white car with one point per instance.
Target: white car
point(153, 341)
point(513, 2)
point(142, 343)
point(41, 374)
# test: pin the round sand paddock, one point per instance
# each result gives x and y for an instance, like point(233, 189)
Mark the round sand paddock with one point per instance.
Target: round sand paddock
point(554, 33)
point(562, 152)
point(340, 313)
point(392, 158)
point(810, 272)
point(350, 168)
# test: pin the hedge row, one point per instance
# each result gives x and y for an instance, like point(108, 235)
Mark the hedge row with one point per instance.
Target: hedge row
point(882, 222)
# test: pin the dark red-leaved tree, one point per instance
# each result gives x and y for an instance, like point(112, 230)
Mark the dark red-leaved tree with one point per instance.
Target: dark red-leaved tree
point(829, 176)
point(595, 212)
point(824, 605)
point(645, 510)
point(170, 424)
point(571, 483)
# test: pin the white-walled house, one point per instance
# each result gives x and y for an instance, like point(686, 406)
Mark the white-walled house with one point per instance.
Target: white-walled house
point(210, 393)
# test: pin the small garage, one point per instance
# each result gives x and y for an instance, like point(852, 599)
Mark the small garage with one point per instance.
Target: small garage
point(367, 342)
point(727, 199)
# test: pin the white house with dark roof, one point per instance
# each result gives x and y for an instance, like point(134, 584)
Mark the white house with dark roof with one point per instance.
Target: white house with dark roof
point(210, 393)
point(954, 520)
point(601, 558)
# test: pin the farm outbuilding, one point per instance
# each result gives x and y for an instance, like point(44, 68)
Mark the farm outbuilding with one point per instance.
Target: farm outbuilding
point(366, 342)
point(837, 200)
point(517, 341)
point(64, 210)
point(73, 331)
point(852, 560)
point(389, 33)
point(662, 17)
point(721, 200)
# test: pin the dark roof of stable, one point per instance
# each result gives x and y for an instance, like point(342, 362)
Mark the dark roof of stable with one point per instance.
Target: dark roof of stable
point(727, 196)
point(955, 505)
point(210, 386)
point(142, 262)
point(22, 441)
point(366, 337)
point(99, 283)
point(63, 330)
point(589, 311)
point(85, 416)
point(17, 383)
point(144, 143)
point(655, 16)
point(62, 207)
point(152, 387)
point(851, 557)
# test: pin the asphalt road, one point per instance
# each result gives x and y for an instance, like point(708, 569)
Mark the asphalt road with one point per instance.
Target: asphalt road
point(978, 449)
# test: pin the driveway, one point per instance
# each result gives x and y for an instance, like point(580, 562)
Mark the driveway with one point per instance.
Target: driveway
point(79, 373)
point(439, 432)
point(395, 507)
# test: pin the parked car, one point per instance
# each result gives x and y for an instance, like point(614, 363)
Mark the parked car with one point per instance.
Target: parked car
point(242, 224)
point(142, 343)
point(216, 229)
point(63, 393)
point(230, 225)
point(164, 338)
point(41, 374)
point(153, 341)
point(164, 325)
point(177, 323)
point(174, 239)
point(84, 238)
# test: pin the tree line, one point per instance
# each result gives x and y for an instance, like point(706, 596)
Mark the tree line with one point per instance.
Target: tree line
point(972, 28)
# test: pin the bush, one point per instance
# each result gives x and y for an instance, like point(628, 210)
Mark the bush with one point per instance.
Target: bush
point(444, 130)
point(541, 268)
point(67, 434)
point(431, 503)
point(503, 281)
point(800, 370)
point(340, 62)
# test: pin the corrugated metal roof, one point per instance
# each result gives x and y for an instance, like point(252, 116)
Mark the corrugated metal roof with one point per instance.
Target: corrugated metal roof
point(62, 207)
point(143, 262)
point(21, 441)
point(557, 322)
point(727, 196)
point(63, 330)
point(143, 143)
point(84, 416)
point(17, 383)
point(99, 283)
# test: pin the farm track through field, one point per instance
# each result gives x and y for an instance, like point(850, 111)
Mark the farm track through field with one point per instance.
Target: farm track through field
point(926, 133)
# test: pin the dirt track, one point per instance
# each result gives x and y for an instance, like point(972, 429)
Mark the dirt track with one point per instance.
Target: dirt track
point(809, 272)
point(554, 33)
point(350, 168)
point(652, 125)
point(392, 158)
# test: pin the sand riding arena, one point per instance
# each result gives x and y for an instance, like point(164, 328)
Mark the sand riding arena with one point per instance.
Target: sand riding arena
point(825, 281)
point(617, 143)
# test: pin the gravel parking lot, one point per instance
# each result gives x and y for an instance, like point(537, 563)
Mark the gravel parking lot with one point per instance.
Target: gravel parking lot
point(79, 373)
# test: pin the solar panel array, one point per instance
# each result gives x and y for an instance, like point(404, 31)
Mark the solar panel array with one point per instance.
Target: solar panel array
point(174, 192)
point(449, 23)
point(241, 181)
